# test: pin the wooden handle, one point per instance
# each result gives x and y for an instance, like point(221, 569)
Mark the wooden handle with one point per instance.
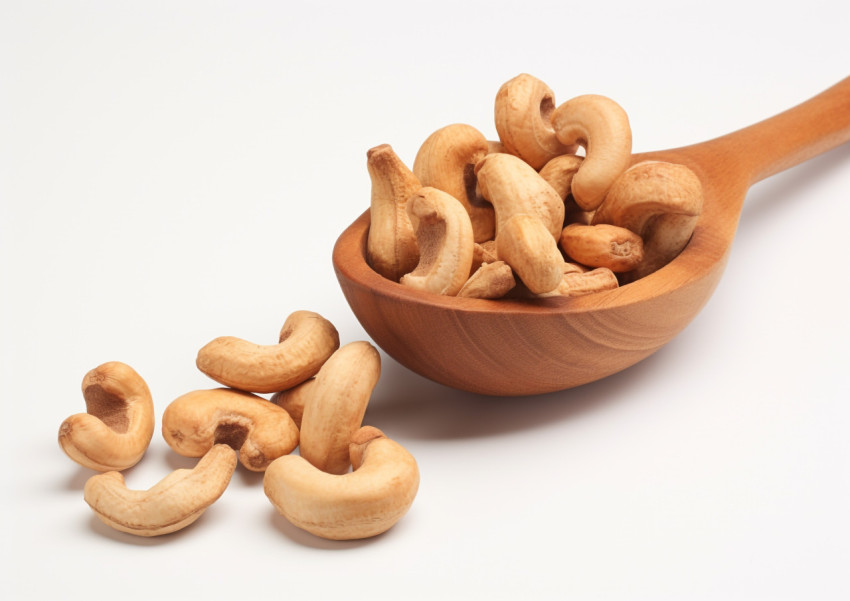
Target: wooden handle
point(787, 139)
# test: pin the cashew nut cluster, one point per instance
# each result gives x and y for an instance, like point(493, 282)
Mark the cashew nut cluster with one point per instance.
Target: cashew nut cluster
point(556, 188)
point(321, 400)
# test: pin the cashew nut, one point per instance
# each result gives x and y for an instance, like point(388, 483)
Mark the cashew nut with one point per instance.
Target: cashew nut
point(559, 173)
point(444, 234)
point(117, 428)
point(602, 245)
point(391, 247)
point(173, 503)
point(602, 127)
point(260, 430)
point(581, 283)
point(363, 503)
point(661, 202)
point(491, 280)
point(293, 400)
point(524, 243)
point(446, 161)
point(524, 107)
point(337, 404)
point(514, 187)
point(484, 252)
point(306, 340)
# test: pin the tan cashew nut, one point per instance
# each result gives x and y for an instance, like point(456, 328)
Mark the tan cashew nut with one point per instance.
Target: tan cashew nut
point(363, 503)
point(588, 282)
point(524, 243)
point(293, 400)
point(306, 341)
point(391, 247)
point(260, 430)
point(661, 202)
point(524, 107)
point(446, 161)
point(491, 280)
point(559, 173)
point(444, 234)
point(602, 245)
point(514, 187)
point(337, 404)
point(119, 425)
point(173, 503)
point(602, 127)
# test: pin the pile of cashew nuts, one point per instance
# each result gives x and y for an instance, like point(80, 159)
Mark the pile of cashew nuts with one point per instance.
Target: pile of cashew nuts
point(349, 481)
point(526, 216)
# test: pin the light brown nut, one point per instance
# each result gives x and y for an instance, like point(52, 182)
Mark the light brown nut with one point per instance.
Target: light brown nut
point(293, 400)
point(360, 504)
point(260, 430)
point(491, 280)
point(118, 426)
point(444, 234)
point(484, 252)
point(337, 405)
point(602, 245)
point(514, 187)
point(524, 107)
point(661, 202)
point(588, 282)
point(391, 248)
point(602, 127)
point(446, 161)
point(559, 173)
point(524, 243)
point(172, 504)
point(306, 341)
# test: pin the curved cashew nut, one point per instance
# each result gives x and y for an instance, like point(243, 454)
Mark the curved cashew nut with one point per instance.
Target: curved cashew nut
point(444, 234)
point(577, 283)
point(661, 202)
point(293, 400)
point(363, 503)
point(602, 245)
point(446, 161)
point(491, 280)
point(524, 107)
point(602, 127)
point(524, 243)
point(391, 247)
point(173, 503)
point(261, 431)
point(514, 187)
point(559, 173)
point(306, 341)
point(116, 431)
point(337, 404)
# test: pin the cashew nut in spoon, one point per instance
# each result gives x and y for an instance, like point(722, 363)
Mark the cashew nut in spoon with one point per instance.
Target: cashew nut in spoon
point(359, 504)
point(306, 340)
point(118, 426)
point(446, 161)
point(524, 107)
point(602, 127)
point(173, 503)
point(260, 430)
point(602, 245)
point(524, 243)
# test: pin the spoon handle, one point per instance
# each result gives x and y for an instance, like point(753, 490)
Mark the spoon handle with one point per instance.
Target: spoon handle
point(784, 140)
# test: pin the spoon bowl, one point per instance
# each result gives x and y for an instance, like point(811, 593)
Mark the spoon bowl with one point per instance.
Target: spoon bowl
point(522, 347)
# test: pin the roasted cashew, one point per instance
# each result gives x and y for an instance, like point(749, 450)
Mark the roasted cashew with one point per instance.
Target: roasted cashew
point(524, 243)
point(484, 252)
point(580, 283)
point(559, 173)
point(337, 404)
point(524, 107)
point(661, 202)
point(173, 503)
point(293, 400)
point(514, 187)
point(602, 245)
point(446, 161)
point(306, 340)
point(260, 430)
point(602, 127)
point(391, 248)
point(363, 503)
point(491, 280)
point(444, 235)
point(116, 431)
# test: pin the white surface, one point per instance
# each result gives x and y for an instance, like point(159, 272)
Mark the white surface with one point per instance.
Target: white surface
point(172, 172)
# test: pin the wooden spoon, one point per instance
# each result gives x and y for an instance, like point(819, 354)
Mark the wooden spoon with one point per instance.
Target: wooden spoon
point(510, 347)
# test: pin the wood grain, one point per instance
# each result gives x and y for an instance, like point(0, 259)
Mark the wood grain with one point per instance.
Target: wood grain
point(511, 347)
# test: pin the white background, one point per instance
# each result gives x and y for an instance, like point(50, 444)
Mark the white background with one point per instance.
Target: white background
point(175, 171)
